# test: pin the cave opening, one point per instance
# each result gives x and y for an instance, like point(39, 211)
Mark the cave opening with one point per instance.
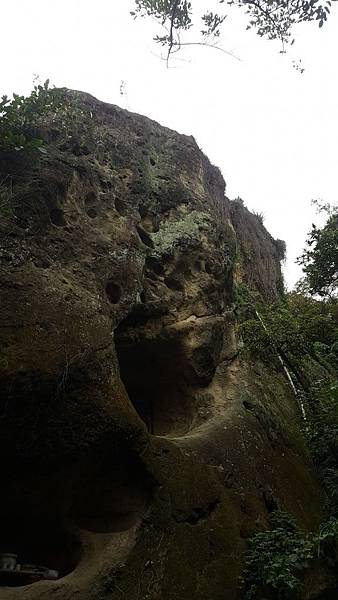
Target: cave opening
point(153, 372)
point(114, 494)
point(40, 548)
point(46, 517)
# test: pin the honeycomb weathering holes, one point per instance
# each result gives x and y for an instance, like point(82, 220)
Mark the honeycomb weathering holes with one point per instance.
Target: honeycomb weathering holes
point(113, 292)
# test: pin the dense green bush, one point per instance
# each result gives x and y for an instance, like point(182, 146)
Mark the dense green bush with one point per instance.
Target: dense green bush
point(20, 117)
point(296, 325)
point(256, 340)
point(276, 559)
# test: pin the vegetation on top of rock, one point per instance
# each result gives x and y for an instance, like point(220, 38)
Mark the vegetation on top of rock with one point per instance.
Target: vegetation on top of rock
point(259, 216)
point(20, 117)
point(281, 249)
point(238, 200)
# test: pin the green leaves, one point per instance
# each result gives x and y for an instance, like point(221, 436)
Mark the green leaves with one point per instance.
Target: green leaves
point(20, 117)
point(165, 11)
point(212, 23)
point(276, 558)
point(320, 256)
point(272, 19)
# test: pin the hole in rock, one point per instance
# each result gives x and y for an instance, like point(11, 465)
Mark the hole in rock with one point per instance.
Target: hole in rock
point(56, 217)
point(152, 371)
point(38, 545)
point(43, 512)
point(143, 211)
point(120, 207)
point(145, 237)
point(173, 283)
point(154, 265)
point(113, 292)
point(269, 501)
point(209, 268)
point(114, 495)
point(248, 405)
point(90, 197)
point(91, 212)
point(199, 265)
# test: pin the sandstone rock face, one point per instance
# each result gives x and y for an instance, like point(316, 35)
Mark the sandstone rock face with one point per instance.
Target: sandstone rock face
point(259, 261)
point(138, 450)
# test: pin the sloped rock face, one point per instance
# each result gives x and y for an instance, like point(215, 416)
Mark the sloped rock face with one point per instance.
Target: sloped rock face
point(139, 452)
point(259, 261)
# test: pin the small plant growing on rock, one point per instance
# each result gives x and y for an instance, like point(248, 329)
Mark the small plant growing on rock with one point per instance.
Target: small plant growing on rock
point(239, 201)
point(259, 216)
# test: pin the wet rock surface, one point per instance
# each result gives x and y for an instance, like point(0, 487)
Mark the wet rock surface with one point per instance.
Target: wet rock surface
point(139, 452)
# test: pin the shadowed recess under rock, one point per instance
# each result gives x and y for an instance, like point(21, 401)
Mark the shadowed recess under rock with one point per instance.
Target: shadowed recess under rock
point(152, 371)
point(38, 540)
point(45, 517)
point(113, 497)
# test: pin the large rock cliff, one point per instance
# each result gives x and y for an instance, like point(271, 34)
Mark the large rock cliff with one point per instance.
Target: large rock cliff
point(139, 450)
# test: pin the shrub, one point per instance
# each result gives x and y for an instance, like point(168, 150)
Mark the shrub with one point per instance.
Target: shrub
point(276, 558)
point(256, 340)
point(281, 249)
point(239, 201)
point(20, 117)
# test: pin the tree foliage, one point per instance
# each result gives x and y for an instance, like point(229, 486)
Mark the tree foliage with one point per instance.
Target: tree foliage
point(320, 257)
point(297, 326)
point(20, 116)
point(304, 331)
point(276, 559)
point(272, 19)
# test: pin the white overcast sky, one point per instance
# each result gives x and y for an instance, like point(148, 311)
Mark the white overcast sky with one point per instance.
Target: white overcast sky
point(272, 131)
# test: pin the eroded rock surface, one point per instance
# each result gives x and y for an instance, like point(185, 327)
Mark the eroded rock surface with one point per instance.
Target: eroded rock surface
point(138, 451)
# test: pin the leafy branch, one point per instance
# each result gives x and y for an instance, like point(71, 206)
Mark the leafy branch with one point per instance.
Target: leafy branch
point(272, 19)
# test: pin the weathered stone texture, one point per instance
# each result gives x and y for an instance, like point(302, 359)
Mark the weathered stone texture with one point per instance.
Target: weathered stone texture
point(138, 451)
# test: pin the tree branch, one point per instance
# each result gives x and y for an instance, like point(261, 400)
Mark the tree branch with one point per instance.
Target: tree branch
point(171, 32)
point(180, 44)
